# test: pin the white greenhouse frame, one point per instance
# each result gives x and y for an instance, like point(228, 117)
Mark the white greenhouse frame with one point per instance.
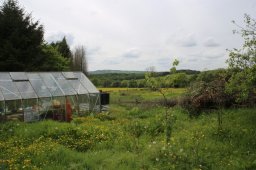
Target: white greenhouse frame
point(31, 96)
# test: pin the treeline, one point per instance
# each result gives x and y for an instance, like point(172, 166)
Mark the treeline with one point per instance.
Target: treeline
point(23, 47)
point(182, 78)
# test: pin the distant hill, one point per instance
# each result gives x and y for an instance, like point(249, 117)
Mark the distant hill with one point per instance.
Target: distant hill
point(115, 71)
point(137, 72)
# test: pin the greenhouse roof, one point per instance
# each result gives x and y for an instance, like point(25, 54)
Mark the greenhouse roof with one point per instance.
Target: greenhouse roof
point(26, 85)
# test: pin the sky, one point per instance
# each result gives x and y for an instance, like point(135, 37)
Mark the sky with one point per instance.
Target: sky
point(137, 34)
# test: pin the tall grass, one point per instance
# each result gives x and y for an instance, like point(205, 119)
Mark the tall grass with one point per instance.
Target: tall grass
point(132, 138)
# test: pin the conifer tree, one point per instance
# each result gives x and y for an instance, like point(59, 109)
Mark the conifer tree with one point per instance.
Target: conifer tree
point(20, 39)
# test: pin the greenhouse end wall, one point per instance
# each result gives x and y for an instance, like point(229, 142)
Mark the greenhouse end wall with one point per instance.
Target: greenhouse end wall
point(33, 96)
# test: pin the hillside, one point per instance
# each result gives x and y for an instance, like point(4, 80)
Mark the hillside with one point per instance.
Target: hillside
point(138, 72)
point(121, 78)
point(115, 72)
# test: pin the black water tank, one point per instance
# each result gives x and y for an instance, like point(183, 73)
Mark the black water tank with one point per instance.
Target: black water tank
point(104, 98)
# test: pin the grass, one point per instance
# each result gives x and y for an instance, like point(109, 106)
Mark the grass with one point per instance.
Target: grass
point(132, 137)
point(131, 95)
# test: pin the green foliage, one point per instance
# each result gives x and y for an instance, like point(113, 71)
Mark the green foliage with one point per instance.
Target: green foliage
point(177, 80)
point(181, 78)
point(151, 81)
point(63, 48)
point(20, 38)
point(94, 143)
point(210, 75)
point(52, 60)
point(132, 138)
point(242, 62)
point(203, 95)
point(174, 65)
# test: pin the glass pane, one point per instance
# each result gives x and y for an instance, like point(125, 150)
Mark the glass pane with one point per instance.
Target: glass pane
point(69, 75)
point(86, 83)
point(5, 76)
point(31, 110)
point(64, 84)
point(9, 90)
point(26, 90)
point(14, 110)
point(83, 101)
point(1, 96)
point(76, 84)
point(58, 75)
point(51, 84)
point(18, 76)
point(33, 76)
point(2, 112)
point(95, 102)
point(38, 85)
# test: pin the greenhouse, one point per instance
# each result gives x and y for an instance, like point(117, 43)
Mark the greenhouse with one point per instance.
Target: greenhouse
point(32, 96)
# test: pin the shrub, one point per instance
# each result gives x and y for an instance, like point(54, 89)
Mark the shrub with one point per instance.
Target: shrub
point(204, 96)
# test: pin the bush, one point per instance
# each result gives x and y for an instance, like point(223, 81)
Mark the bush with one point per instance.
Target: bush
point(206, 96)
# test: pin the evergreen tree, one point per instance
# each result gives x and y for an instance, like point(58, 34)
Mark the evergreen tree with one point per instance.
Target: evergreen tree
point(63, 47)
point(52, 60)
point(20, 39)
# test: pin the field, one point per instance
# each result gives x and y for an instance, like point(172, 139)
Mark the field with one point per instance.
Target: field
point(131, 135)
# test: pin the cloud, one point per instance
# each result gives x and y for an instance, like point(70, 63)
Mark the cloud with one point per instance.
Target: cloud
point(193, 60)
point(113, 61)
point(164, 62)
point(210, 42)
point(133, 53)
point(59, 36)
point(207, 55)
point(187, 41)
point(93, 50)
point(157, 29)
point(214, 55)
point(182, 39)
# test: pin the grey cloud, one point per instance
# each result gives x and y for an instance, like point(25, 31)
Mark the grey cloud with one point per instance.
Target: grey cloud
point(93, 50)
point(59, 35)
point(150, 26)
point(188, 41)
point(214, 56)
point(164, 62)
point(210, 42)
point(182, 40)
point(206, 55)
point(193, 60)
point(132, 54)
point(112, 61)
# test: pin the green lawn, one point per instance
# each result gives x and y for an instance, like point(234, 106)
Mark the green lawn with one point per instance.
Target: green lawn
point(133, 137)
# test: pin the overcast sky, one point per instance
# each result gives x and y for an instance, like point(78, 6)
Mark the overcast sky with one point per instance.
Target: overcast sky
point(136, 34)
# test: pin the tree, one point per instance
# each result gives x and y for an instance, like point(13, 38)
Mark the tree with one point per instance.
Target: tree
point(124, 83)
point(80, 60)
point(20, 38)
point(63, 47)
point(52, 60)
point(150, 78)
point(174, 65)
point(152, 83)
point(242, 62)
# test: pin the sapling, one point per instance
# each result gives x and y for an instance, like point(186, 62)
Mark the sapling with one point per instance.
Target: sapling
point(155, 85)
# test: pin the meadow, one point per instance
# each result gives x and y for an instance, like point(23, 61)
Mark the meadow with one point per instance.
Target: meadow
point(131, 135)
